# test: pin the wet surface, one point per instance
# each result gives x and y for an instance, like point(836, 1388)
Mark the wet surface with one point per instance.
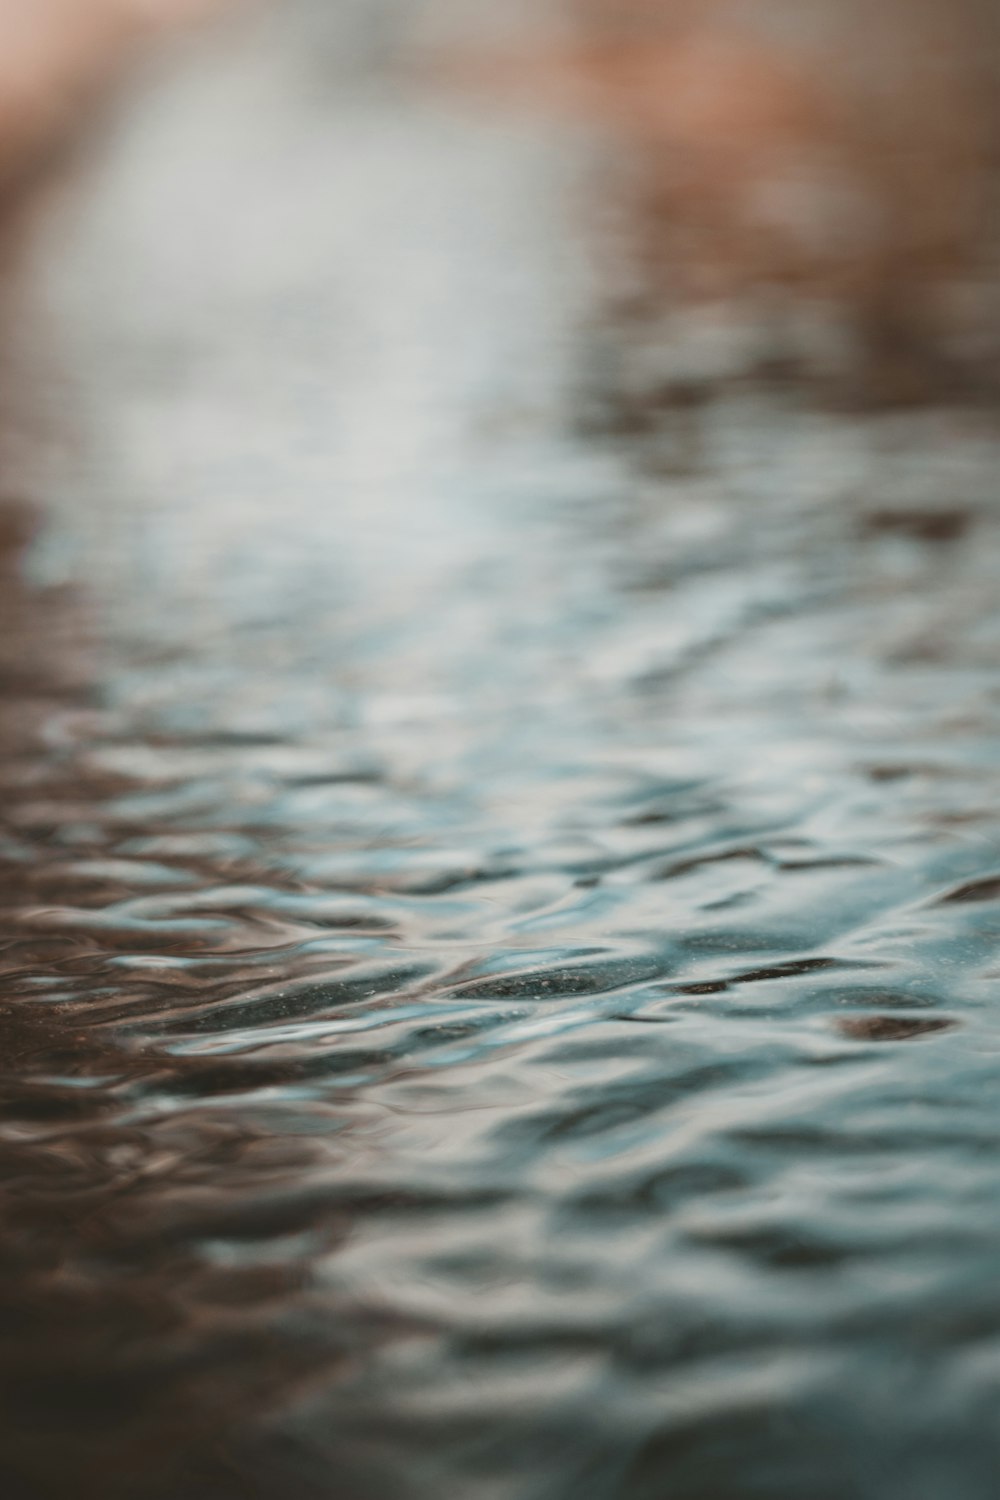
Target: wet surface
point(501, 917)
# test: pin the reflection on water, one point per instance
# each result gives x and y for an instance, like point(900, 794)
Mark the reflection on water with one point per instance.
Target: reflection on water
point(500, 925)
point(818, 173)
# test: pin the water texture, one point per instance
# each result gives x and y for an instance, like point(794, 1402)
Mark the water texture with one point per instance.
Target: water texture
point(500, 915)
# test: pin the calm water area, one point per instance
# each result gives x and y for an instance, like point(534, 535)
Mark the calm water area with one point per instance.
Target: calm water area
point(501, 909)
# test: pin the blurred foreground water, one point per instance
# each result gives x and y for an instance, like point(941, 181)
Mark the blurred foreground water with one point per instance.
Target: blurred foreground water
point(501, 903)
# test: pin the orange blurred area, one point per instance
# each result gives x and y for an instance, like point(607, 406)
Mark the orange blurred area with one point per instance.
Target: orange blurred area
point(55, 53)
point(836, 153)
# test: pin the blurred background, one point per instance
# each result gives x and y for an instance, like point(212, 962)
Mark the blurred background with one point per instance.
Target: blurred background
point(823, 174)
point(499, 834)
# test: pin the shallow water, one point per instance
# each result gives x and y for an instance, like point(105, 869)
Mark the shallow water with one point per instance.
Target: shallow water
point(500, 916)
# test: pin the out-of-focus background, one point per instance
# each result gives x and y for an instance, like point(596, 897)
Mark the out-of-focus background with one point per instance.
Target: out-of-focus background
point(55, 57)
point(499, 794)
point(822, 172)
point(823, 175)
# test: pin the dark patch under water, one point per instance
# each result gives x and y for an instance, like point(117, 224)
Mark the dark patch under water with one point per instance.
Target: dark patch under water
point(500, 946)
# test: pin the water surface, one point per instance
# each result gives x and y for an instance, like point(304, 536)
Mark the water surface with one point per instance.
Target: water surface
point(500, 912)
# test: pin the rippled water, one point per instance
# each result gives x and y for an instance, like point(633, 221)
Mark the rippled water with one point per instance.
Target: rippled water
point(500, 918)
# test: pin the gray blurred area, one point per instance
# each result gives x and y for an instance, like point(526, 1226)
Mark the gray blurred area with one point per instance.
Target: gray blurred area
point(500, 846)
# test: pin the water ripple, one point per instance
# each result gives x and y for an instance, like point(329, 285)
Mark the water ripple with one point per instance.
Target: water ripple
point(498, 942)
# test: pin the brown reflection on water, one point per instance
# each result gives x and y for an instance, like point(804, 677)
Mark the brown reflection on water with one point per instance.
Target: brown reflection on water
point(156, 1296)
point(818, 179)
